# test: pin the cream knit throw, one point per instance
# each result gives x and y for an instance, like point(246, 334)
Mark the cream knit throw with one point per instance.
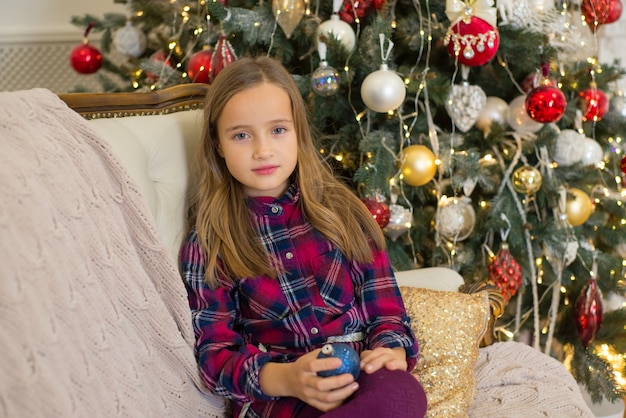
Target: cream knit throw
point(94, 320)
point(516, 381)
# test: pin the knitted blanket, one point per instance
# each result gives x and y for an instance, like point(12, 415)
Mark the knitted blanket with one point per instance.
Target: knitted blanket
point(515, 380)
point(94, 319)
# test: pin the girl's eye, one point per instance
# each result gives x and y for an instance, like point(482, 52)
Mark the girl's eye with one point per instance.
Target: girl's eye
point(278, 131)
point(240, 136)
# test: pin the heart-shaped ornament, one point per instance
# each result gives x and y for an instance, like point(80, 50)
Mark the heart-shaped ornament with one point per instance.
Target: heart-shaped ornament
point(464, 105)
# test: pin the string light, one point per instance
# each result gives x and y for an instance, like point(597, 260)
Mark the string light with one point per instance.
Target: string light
point(616, 360)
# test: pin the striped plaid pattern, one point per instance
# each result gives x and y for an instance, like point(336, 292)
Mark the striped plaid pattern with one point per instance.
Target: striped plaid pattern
point(320, 294)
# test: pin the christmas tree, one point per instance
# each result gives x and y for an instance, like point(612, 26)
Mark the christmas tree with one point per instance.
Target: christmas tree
point(488, 140)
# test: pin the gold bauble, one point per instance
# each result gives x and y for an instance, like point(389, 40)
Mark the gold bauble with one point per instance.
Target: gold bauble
point(418, 165)
point(288, 14)
point(526, 180)
point(578, 207)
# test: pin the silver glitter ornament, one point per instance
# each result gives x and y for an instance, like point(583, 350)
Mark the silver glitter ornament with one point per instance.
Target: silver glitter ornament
point(130, 40)
point(325, 80)
point(400, 221)
point(464, 105)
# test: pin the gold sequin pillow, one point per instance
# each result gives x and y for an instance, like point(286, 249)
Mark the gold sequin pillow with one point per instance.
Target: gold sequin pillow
point(448, 327)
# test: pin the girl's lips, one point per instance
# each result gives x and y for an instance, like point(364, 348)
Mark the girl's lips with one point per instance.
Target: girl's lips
point(265, 170)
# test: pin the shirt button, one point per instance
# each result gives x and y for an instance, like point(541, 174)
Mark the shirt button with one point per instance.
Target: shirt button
point(314, 330)
point(289, 255)
point(276, 209)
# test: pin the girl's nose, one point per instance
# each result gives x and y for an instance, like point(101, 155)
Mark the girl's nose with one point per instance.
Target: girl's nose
point(263, 148)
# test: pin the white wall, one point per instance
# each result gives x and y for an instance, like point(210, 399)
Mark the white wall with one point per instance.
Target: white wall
point(36, 38)
point(43, 19)
point(612, 44)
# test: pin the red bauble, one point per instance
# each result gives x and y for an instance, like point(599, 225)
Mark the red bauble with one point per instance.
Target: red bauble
point(593, 103)
point(623, 165)
point(223, 55)
point(600, 11)
point(85, 58)
point(199, 66)
point(615, 11)
point(472, 41)
point(352, 8)
point(379, 210)
point(588, 312)
point(158, 56)
point(505, 272)
point(545, 103)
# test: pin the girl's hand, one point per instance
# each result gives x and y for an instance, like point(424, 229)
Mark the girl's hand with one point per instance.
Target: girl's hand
point(389, 358)
point(299, 379)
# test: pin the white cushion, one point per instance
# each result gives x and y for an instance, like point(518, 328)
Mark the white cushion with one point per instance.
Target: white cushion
point(157, 151)
point(435, 278)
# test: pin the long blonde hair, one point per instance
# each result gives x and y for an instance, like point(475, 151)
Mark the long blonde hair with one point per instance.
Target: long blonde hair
point(219, 211)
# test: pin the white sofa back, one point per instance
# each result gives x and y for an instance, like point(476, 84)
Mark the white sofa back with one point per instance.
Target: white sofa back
point(157, 151)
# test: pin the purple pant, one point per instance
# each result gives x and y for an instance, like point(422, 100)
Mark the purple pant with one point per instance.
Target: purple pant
point(385, 393)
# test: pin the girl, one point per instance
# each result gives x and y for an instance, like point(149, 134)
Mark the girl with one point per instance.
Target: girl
point(282, 258)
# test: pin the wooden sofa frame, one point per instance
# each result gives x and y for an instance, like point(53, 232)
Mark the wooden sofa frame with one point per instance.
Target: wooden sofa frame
point(191, 96)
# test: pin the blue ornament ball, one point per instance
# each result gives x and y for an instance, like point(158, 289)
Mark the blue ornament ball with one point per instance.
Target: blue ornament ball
point(350, 360)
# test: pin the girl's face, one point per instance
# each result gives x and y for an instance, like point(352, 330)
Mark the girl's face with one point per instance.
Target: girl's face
point(257, 139)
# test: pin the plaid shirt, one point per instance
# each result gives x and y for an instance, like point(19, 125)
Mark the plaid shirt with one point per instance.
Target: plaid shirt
point(241, 326)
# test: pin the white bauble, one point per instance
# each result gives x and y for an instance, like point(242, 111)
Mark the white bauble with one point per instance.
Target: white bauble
point(495, 110)
point(592, 152)
point(617, 104)
point(613, 301)
point(337, 29)
point(518, 118)
point(455, 218)
point(383, 90)
point(130, 40)
point(569, 147)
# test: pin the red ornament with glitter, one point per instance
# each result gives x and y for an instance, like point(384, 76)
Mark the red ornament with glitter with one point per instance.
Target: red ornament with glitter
point(588, 312)
point(159, 56)
point(505, 272)
point(545, 103)
point(223, 55)
point(85, 58)
point(472, 41)
point(600, 12)
point(199, 66)
point(593, 103)
point(615, 11)
point(623, 165)
point(354, 8)
point(379, 210)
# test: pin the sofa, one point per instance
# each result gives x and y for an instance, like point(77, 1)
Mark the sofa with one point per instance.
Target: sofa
point(93, 313)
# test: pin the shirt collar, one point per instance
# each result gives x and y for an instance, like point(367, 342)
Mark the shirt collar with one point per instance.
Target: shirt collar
point(265, 204)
